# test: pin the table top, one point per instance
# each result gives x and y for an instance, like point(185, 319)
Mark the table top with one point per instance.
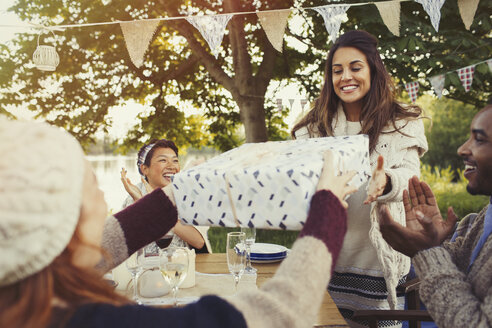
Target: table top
point(328, 316)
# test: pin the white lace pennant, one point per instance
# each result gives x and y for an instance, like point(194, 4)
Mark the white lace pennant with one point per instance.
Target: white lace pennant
point(333, 16)
point(467, 11)
point(437, 83)
point(466, 76)
point(279, 105)
point(433, 9)
point(489, 62)
point(274, 24)
point(137, 38)
point(412, 89)
point(212, 28)
point(390, 13)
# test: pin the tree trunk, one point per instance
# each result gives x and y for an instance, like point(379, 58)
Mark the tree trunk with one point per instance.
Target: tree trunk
point(252, 114)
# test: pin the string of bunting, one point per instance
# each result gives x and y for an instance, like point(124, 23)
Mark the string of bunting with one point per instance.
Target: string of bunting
point(465, 75)
point(138, 33)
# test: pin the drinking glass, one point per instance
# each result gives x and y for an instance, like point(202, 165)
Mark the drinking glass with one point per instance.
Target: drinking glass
point(250, 236)
point(174, 266)
point(236, 255)
point(133, 264)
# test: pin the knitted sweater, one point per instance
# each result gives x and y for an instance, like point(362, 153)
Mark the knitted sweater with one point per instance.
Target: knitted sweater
point(454, 296)
point(367, 274)
point(292, 298)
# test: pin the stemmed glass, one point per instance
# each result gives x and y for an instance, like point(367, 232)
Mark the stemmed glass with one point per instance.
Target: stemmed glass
point(133, 264)
point(236, 255)
point(250, 236)
point(174, 266)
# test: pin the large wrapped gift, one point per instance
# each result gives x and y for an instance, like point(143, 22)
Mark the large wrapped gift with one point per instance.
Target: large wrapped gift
point(264, 185)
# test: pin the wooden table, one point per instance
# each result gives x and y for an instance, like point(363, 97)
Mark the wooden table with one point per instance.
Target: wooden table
point(328, 316)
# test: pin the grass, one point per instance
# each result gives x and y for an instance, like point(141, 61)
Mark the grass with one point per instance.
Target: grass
point(218, 236)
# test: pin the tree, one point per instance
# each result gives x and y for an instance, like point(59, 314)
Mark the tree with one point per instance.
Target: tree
point(96, 73)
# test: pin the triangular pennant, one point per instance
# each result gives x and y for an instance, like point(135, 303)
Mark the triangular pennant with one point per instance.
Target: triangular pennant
point(390, 13)
point(437, 83)
point(412, 89)
point(291, 101)
point(333, 16)
point(467, 11)
point(212, 29)
point(279, 105)
point(433, 9)
point(303, 104)
point(466, 76)
point(137, 38)
point(274, 24)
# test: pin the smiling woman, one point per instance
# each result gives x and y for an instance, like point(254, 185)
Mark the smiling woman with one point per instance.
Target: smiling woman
point(357, 98)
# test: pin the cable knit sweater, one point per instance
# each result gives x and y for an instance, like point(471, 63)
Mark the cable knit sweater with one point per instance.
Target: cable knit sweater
point(292, 298)
point(367, 274)
point(454, 296)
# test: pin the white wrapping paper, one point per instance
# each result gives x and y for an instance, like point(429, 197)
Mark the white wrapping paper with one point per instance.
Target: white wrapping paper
point(264, 185)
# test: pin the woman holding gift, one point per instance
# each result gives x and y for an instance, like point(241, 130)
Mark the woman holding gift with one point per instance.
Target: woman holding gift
point(52, 232)
point(157, 163)
point(357, 97)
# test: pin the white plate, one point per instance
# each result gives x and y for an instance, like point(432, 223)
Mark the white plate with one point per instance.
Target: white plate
point(262, 250)
point(267, 261)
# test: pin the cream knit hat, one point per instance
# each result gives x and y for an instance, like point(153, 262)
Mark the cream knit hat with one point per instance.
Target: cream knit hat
point(41, 174)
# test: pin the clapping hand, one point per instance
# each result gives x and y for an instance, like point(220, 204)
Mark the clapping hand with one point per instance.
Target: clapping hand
point(425, 225)
point(377, 183)
point(337, 184)
point(133, 190)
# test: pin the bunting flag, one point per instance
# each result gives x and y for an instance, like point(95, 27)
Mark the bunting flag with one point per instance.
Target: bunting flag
point(138, 35)
point(303, 104)
point(279, 105)
point(433, 9)
point(390, 13)
point(291, 101)
point(466, 76)
point(412, 89)
point(212, 28)
point(437, 83)
point(333, 16)
point(467, 11)
point(489, 62)
point(274, 24)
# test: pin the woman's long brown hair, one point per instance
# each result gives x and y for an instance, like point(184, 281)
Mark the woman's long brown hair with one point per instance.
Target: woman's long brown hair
point(379, 104)
point(29, 302)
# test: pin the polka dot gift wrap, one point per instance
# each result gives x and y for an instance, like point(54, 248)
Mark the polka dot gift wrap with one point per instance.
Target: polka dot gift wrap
point(264, 185)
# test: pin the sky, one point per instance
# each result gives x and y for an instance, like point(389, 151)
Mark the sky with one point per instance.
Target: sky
point(124, 117)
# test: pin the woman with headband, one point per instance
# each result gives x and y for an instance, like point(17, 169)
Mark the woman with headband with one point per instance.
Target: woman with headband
point(157, 163)
point(53, 227)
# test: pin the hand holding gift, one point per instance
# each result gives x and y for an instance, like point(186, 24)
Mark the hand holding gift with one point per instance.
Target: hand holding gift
point(337, 184)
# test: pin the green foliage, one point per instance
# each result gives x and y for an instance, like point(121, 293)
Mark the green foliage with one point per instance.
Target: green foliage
point(449, 193)
point(218, 236)
point(96, 73)
point(449, 130)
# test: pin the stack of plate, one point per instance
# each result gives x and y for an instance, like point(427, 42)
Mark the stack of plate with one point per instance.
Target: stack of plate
point(267, 253)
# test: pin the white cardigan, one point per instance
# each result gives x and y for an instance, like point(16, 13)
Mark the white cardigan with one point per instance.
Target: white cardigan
point(401, 153)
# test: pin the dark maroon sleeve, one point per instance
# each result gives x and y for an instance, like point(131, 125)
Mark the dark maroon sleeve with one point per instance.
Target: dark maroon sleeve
point(148, 219)
point(327, 221)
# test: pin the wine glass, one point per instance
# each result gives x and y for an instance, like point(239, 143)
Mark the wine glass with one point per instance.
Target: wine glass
point(174, 266)
point(236, 255)
point(250, 236)
point(133, 264)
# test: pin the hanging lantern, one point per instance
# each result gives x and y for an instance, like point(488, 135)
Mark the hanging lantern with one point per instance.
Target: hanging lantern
point(45, 57)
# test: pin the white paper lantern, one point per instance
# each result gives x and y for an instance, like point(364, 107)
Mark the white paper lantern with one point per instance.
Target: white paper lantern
point(45, 57)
